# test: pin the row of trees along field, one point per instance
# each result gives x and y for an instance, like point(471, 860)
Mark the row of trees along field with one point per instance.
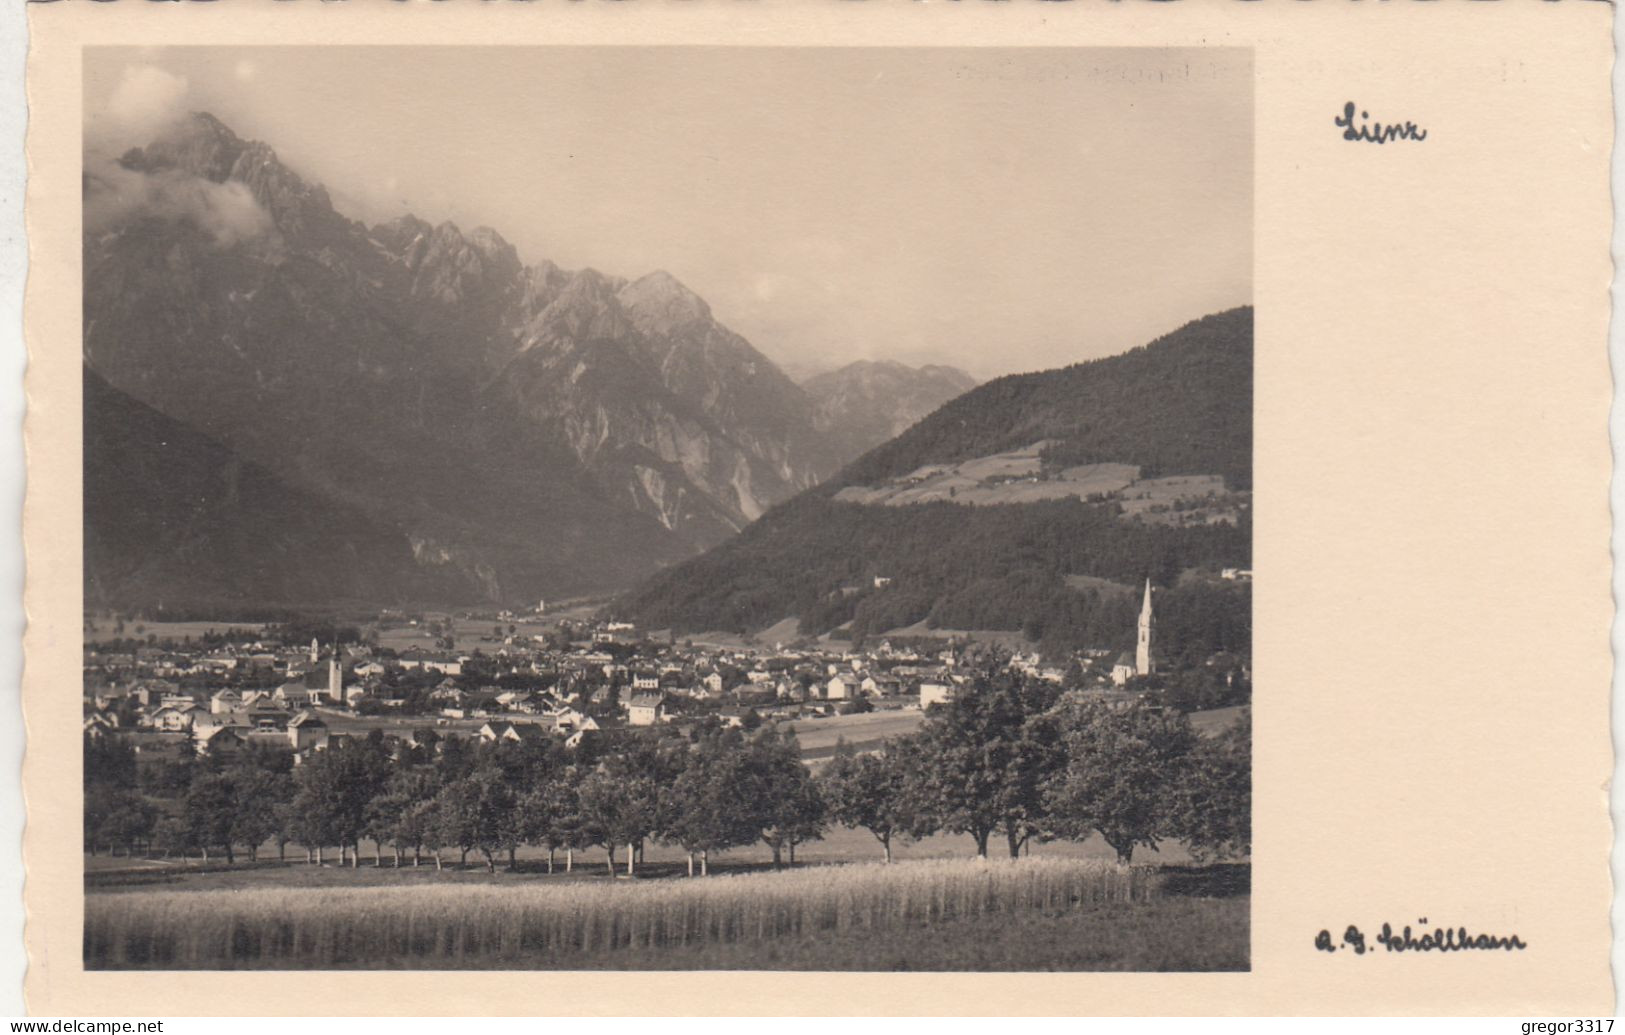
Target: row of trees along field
point(1010, 757)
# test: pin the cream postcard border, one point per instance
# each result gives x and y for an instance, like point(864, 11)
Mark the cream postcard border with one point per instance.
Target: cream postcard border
point(1433, 605)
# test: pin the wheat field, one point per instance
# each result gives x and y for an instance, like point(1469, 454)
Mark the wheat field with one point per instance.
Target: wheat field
point(485, 925)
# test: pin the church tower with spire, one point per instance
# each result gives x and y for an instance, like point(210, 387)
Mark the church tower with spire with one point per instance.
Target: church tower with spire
point(1142, 643)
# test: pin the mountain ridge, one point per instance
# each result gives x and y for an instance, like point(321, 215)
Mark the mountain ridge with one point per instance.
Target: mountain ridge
point(1177, 407)
point(423, 373)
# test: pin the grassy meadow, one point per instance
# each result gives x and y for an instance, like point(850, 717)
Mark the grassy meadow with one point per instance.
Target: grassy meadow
point(934, 914)
point(115, 874)
point(101, 629)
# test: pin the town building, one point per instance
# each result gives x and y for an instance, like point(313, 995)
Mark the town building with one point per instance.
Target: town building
point(645, 710)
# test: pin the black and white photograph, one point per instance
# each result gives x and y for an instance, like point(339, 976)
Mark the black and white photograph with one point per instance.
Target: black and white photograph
point(651, 508)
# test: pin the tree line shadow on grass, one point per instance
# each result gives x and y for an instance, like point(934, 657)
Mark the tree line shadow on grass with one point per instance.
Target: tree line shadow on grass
point(1215, 880)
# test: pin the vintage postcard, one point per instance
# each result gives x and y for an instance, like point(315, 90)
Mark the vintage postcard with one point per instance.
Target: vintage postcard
point(1023, 509)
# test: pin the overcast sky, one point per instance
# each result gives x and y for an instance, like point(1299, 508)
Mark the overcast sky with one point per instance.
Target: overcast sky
point(999, 210)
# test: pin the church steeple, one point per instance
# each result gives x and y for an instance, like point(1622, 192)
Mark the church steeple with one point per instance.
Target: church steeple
point(1142, 644)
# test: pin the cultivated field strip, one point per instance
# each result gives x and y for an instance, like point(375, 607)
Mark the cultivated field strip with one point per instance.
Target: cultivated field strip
point(489, 925)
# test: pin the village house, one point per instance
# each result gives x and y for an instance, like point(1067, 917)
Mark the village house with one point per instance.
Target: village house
point(181, 699)
point(223, 741)
point(935, 693)
point(220, 661)
point(881, 685)
point(447, 692)
point(645, 710)
point(843, 686)
point(149, 693)
point(110, 698)
point(293, 695)
point(170, 719)
point(576, 739)
point(511, 732)
point(533, 704)
point(265, 715)
point(567, 718)
point(1123, 669)
point(421, 660)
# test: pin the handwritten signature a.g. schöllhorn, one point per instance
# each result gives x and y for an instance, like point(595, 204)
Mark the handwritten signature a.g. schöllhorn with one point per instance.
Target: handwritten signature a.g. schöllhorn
point(1439, 939)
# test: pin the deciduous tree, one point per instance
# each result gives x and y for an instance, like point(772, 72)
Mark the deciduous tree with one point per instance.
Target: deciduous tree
point(1213, 801)
point(980, 762)
point(1121, 773)
point(867, 791)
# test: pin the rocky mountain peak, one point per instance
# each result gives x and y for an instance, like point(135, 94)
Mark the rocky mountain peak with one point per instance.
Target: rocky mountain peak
point(399, 236)
point(199, 144)
point(540, 285)
point(295, 205)
point(452, 268)
point(499, 255)
point(580, 309)
point(659, 303)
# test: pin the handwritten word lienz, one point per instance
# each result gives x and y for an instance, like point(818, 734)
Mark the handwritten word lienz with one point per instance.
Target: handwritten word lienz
point(1376, 132)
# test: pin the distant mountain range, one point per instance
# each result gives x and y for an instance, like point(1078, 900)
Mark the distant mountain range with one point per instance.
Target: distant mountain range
point(865, 403)
point(1034, 502)
point(457, 425)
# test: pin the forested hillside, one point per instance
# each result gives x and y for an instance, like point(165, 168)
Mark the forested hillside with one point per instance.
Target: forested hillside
point(1182, 404)
point(167, 510)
